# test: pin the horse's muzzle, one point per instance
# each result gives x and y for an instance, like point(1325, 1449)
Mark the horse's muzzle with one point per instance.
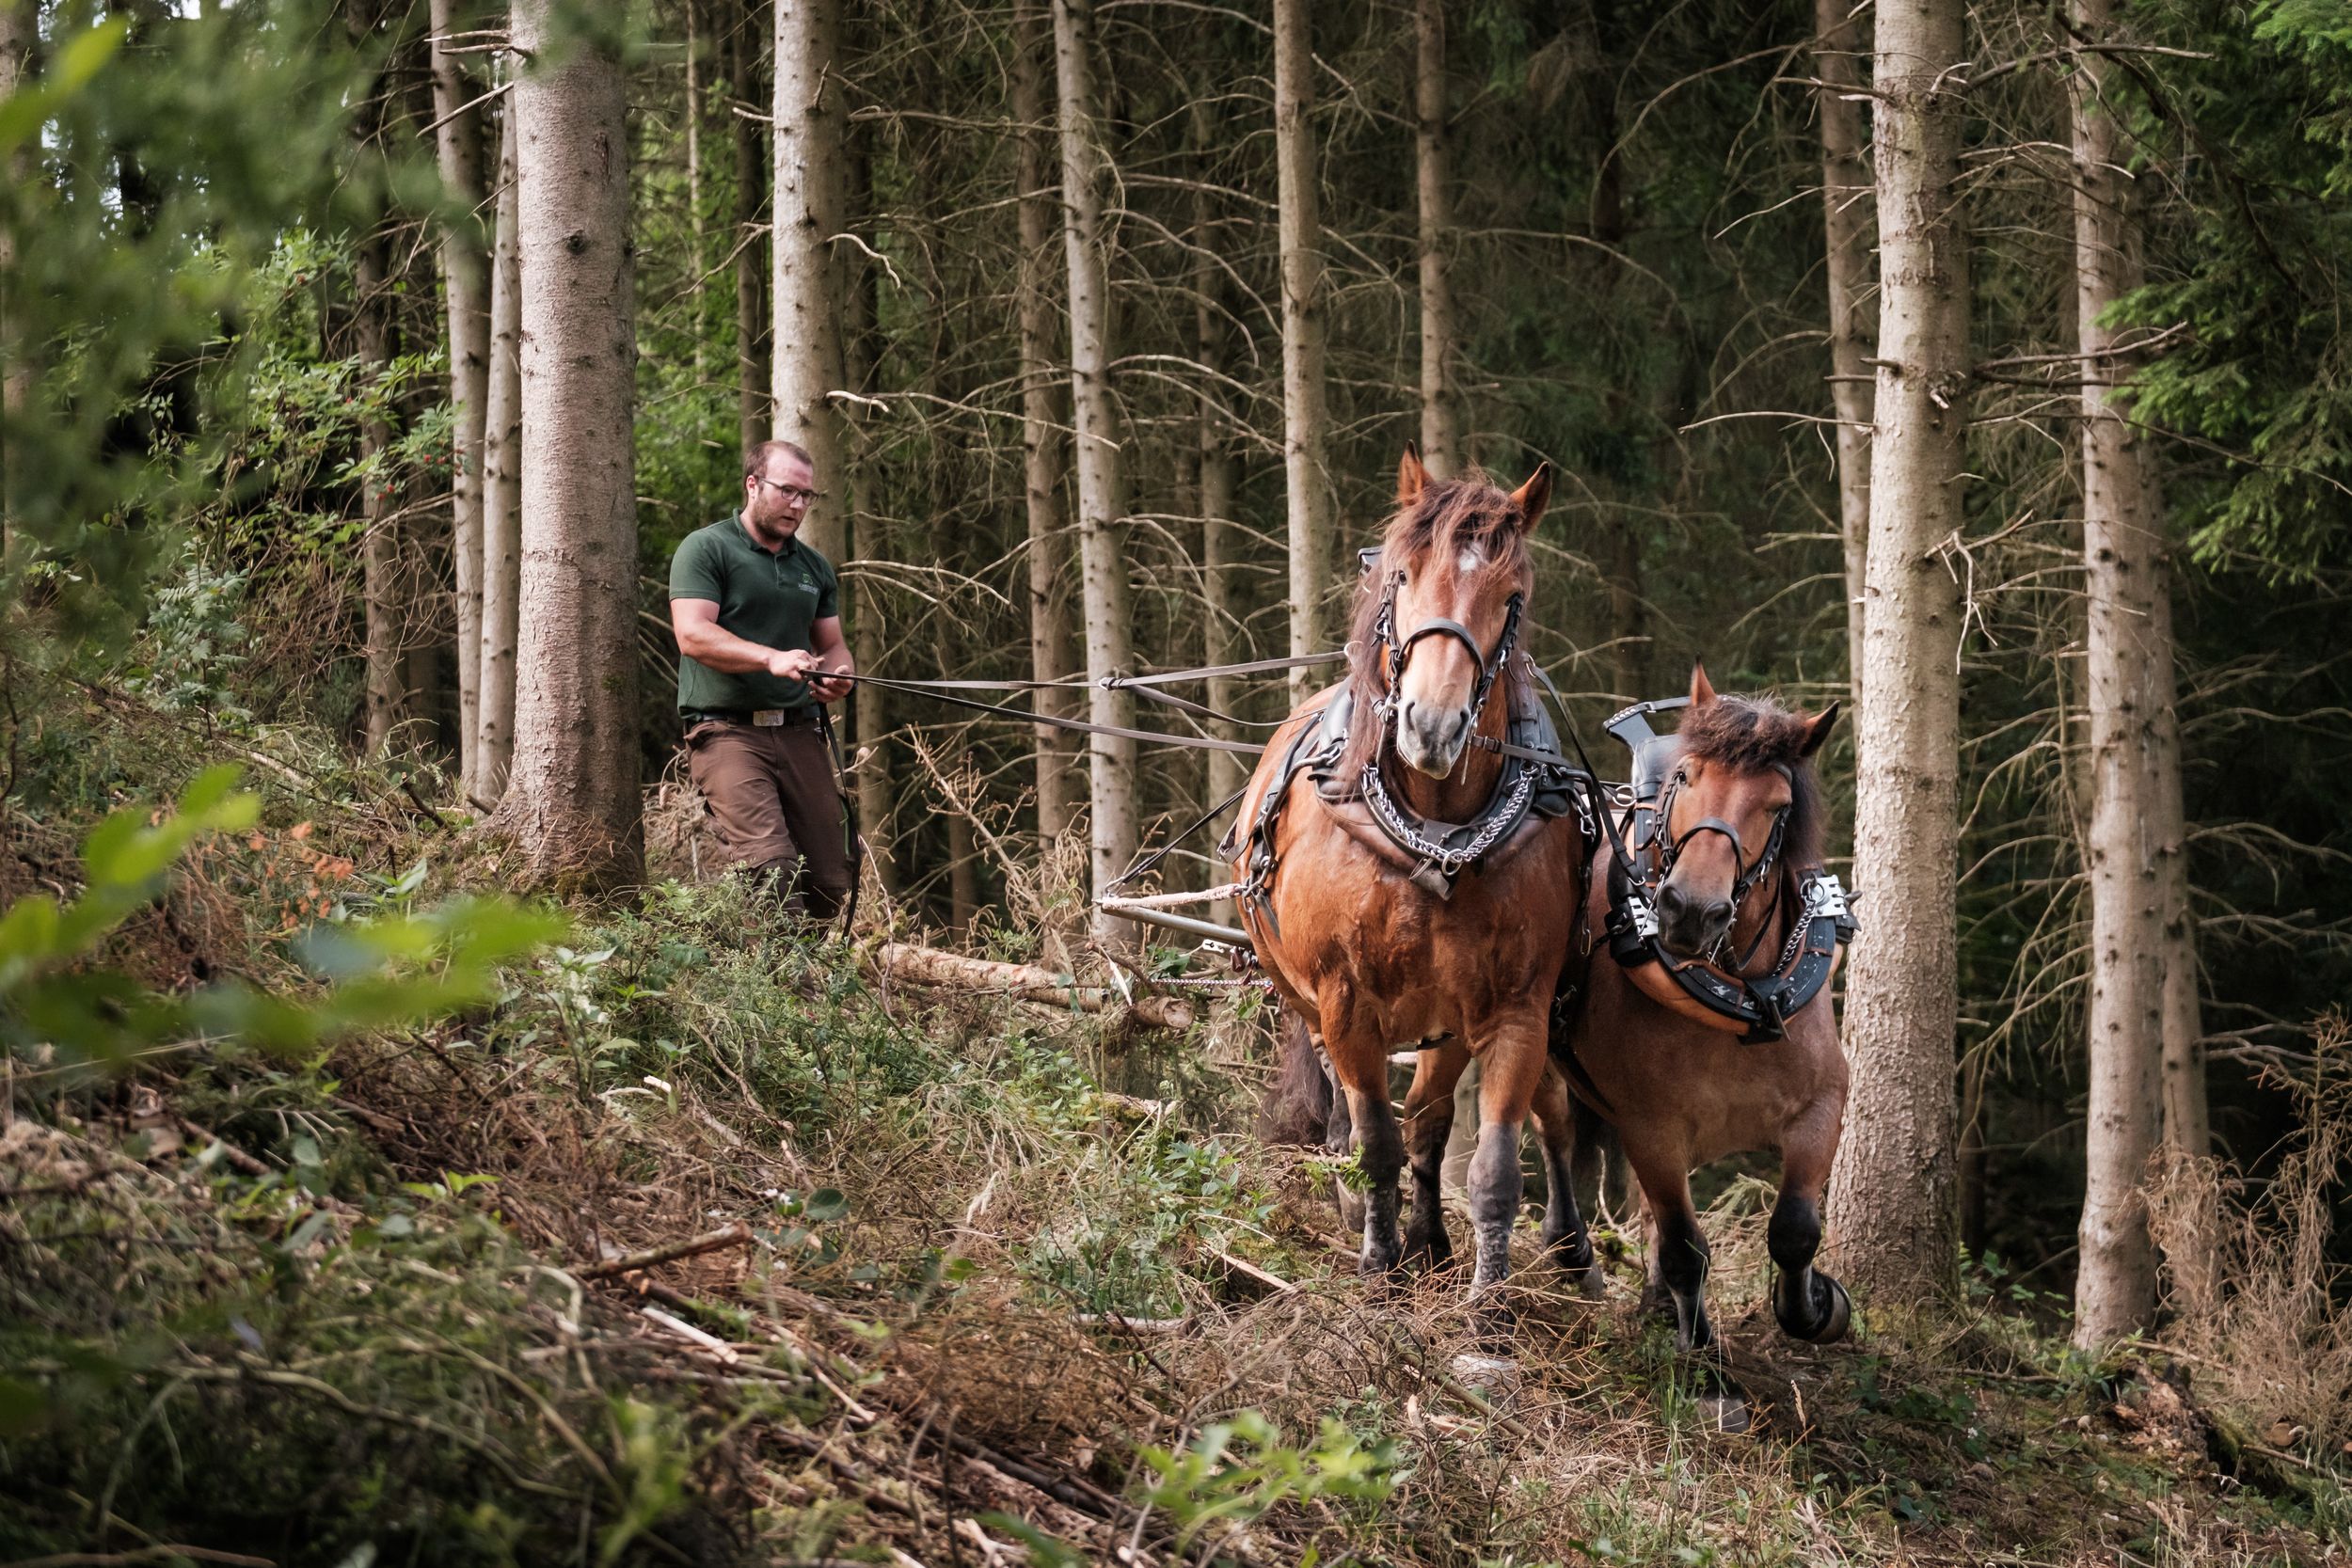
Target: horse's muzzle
point(1690, 925)
point(1431, 740)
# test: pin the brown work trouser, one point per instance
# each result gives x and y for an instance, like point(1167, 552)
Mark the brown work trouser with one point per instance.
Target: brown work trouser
point(771, 792)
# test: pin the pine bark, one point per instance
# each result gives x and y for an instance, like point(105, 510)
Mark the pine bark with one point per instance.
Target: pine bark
point(1218, 472)
point(2135, 743)
point(1044, 454)
point(807, 362)
point(1305, 419)
point(381, 603)
point(572, 808)
point(695, 40)
point(1102, 528)
point(1891, 1203)
point(1845, 224)
point(1440, 437)
point(19, 35)
point(751, 241)
point(501, 490)
point(465, 281)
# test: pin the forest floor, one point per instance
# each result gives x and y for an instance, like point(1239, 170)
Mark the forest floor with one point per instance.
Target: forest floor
point(1009, 1284)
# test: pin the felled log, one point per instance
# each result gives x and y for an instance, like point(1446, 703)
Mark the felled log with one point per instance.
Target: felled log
point(928, 966)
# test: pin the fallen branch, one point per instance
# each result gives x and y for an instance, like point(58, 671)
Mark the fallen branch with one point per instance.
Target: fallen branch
point(928, 966)
point(692, 1335)
point(228, 1152)
point(1243, 1266)
point(738, 1235)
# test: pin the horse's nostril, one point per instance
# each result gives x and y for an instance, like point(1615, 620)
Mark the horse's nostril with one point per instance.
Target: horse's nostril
point(1718, 912)
point(1670, 900)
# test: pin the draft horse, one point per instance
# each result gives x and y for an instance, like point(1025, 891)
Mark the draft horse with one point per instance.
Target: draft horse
point(1405, 876)
point(1706, 1027)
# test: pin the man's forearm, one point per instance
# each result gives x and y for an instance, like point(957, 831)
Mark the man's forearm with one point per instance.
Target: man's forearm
point(715, 648)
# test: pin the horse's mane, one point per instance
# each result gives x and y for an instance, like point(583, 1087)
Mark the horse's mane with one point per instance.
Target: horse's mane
point(1450, 518)
point(1750, 735)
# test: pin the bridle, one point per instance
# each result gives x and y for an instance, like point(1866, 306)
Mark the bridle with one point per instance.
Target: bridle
point(1395, 650)
point(1746, 874)
point(1757, 1005)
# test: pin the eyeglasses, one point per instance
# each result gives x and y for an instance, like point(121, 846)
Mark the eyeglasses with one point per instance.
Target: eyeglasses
point(790, 492)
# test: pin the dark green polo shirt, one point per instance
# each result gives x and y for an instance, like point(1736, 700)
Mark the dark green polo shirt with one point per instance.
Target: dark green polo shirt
point(771, 599)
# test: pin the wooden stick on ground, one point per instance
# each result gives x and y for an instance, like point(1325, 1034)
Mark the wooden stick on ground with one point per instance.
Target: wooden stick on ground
point(738, 1235)
point(928, 966)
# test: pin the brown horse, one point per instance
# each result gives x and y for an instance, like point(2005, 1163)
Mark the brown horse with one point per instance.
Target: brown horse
point(1378, 946)
point(1739, 841)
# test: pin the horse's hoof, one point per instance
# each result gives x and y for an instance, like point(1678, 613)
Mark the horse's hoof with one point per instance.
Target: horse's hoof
point(1591, 1283)
point(1727, 1413)
point(1351, 1209)
point(1839, 1319)
point(1659, 1302)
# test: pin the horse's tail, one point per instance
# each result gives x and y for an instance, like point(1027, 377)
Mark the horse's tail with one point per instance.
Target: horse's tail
point(1298, 1104)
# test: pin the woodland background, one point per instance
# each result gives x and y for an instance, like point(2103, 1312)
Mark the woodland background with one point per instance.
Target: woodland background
point(260, 509)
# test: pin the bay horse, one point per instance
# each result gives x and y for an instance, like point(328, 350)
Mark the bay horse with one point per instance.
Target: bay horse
point(1733, 860)
point(1444, 929)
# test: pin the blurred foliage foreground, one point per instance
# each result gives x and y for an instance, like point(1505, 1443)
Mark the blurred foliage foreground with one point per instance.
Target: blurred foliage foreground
point(311, 1187)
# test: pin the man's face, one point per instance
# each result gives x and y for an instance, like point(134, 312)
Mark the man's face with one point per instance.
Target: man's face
point(775, 503)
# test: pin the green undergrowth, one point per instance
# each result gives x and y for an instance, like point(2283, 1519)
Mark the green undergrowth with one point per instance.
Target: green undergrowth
point(331, 1306)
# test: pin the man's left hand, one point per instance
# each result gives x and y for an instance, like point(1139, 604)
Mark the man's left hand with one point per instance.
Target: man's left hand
point(828, 688)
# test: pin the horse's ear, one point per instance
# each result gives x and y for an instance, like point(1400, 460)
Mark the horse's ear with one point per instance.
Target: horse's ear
point(1816, 731)
point(1411, 478)
point(1533, 496)
point(1702, 689)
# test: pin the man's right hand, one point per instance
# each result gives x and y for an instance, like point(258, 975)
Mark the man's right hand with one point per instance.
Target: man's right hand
point(792, 664)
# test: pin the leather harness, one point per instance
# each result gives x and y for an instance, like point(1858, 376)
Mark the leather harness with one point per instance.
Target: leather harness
point(1764, 1004)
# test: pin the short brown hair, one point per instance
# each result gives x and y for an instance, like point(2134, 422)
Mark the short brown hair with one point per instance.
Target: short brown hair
point(756, 460)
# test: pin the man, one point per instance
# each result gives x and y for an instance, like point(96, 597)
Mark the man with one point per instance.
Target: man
point(757, 615)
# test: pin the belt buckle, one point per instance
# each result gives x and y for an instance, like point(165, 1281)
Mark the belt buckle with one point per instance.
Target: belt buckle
point(770, 718)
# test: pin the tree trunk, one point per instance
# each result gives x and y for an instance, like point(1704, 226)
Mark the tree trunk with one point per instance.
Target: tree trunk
point(751, 242)
point(2135, 743)
point(379, 548)
point(1891, 1203)
point(1440, 438)
point(19, 34)
point(2187, 1121)
point(1846, 214)
point(1102, 530)
point(466, 277)
point(808, 115)
point(1218, 473)
point(572, 804)
point(1305, 422)
point(869, 538)
point(1044, 456)
point(700, 257)
point(501, 490)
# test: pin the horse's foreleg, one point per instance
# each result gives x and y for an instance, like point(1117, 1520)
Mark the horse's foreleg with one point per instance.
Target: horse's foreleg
point(1362, 1069)
point(1509, 1073)
point(1339, 1137)
point(1428, 1122)
point(1677, 1249)
point(1565, 1241)
point(1808, 1303)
